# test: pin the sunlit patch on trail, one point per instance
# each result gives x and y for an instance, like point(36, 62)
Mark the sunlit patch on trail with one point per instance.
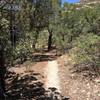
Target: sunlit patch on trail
point(51, 72)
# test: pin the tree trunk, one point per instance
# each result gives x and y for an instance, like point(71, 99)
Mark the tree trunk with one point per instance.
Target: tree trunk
point(2, 74)
point(49, 39)
point(63, 36)
point(12, 27)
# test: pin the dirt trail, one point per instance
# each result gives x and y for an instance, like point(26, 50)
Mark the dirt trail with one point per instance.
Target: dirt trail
point(56, 72)
point(51, 72)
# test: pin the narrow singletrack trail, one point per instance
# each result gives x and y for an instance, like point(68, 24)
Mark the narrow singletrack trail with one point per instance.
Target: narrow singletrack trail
point(56, 72)
point(51, 72)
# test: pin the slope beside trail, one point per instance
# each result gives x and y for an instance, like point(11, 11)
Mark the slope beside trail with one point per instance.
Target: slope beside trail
point(55, 71)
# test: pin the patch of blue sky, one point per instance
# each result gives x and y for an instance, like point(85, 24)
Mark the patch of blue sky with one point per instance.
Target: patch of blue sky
point(70, 1)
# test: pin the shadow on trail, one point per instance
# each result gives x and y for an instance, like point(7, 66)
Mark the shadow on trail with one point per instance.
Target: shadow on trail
point(45, 56)
point(27, 87)
point(24, 87)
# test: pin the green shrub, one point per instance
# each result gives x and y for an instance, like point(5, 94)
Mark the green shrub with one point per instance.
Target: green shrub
point(87, 49)
point(22, 50)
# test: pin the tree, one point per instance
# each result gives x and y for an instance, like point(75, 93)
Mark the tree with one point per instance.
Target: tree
point(4, 42)
point(53, 20)
point(19, 21)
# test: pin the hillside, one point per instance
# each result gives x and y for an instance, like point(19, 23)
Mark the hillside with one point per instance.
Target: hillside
point(87, 4)
point(89, 0)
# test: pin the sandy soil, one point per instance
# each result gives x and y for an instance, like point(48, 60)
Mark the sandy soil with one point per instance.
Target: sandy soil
point(51, 71)
point(75, 86)
point(57, 73)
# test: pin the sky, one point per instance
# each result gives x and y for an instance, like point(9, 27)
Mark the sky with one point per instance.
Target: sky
point(70, 1)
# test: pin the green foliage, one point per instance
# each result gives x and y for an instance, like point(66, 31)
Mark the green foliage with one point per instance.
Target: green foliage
point(20, 25)
point(22, 48)
point(67, 24)
point(5, 44)
point(87, 49)
point(42, 40)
